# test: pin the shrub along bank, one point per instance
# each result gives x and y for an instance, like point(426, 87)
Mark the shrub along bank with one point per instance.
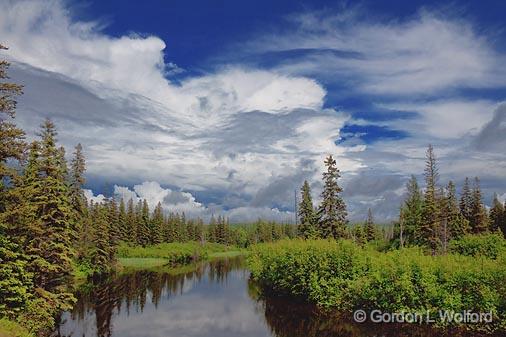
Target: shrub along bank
point(346, 277)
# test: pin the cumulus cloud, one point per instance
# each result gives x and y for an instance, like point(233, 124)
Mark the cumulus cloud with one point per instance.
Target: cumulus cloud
point(246, 136)
point(206, 133)
point(94, 198)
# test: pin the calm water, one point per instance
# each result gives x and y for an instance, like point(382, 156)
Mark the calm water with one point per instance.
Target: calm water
point(214, 299)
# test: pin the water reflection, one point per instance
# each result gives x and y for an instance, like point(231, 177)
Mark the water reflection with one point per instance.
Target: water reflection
point(209, 299)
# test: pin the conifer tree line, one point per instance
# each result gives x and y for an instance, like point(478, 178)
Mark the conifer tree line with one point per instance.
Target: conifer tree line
point(437, 215)
point(431, 217)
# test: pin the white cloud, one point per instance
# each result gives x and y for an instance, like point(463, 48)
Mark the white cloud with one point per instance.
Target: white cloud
point(422, 54)
point(93, 198)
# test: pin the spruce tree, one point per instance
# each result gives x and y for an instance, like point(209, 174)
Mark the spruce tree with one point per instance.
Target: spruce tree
point(143, 229)
point(307, 214)
point(101, 252)
point(157, 224)
point(496, 214)
point(369, 228)
point(122, 221)
point(430, 211)
point(411, 213)
point(15, 282)
point(479, 218)
point(131, 220)
point(457, 223)
point(111, 208)
point(332, 211)
point(466, 200)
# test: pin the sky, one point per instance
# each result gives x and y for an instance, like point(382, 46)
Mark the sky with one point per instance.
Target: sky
point(226, 107)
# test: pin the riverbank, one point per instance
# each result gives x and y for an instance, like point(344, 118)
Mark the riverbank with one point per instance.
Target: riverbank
point(346, 277)
point(172, 254)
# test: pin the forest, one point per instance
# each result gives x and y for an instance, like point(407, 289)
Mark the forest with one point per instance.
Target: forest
point(50, 236)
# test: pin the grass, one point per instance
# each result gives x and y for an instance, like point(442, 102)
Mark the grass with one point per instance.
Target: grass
point(142, 262)
point(172, 254)
point(12, 329)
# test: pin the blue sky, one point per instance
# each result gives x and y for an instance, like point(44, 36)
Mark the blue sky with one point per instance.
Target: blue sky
point(227, 106)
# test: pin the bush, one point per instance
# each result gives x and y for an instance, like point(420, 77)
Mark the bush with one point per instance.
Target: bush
point(486, 245)
point(347, 277)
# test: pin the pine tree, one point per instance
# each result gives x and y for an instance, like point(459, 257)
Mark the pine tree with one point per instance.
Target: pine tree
point(466, 200)
point(332, 211)
point(503, 223)
point(307, 215)
point(369, 228)
point(479, 218)
point(496, 214)
point(430, 211)
point(358, 234)
point(411, 213)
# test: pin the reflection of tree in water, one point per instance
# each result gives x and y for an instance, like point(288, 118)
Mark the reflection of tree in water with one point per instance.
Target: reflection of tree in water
point(131, 291)
point(289, 318)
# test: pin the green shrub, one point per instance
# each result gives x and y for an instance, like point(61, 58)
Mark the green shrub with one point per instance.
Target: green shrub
point(13, 329)
point(347, 277)
point(487, 245)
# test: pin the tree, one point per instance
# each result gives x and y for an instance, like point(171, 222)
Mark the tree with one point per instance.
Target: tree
point(12, 143)
point(456, 222)
point(496, 214)
point(101, 252)
point(131, 220)
point(122, 221)
point(332, 211)
point(369, 228)
point(430, 212)
point(466, 200)
point(411, 212)
point(479, 218)
point(143, 229)
point(157, 223)
point(307, 215)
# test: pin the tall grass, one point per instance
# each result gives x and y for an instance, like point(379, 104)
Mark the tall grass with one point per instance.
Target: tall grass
point(347, 277)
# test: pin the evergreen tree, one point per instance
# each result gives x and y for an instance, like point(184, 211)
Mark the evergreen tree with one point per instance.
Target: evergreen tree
point(369, 228)
point(131, 220)
point(479, 218)
point(157, 224)
point(456, 222)
point(143, 229)
point(496, 214)
point(15, 281)
point(12, 143)
point(358, 234)
point(466, 200)
point(113, 227)
point(332, 211)
point(411, 213)
point(101, 252)
point(430, 211)
point(122, 221)
point(307, 215)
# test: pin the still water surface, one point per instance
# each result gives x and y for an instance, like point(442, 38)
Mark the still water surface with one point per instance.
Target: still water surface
point(212, 299)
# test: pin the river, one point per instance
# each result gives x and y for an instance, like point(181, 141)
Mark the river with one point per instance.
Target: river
point(210, 299)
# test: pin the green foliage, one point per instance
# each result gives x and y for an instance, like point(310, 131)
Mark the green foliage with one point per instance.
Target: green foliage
point(487, 245)
point(15, 282)
point(346, 277)
point(307, 214)
point(13, 329)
